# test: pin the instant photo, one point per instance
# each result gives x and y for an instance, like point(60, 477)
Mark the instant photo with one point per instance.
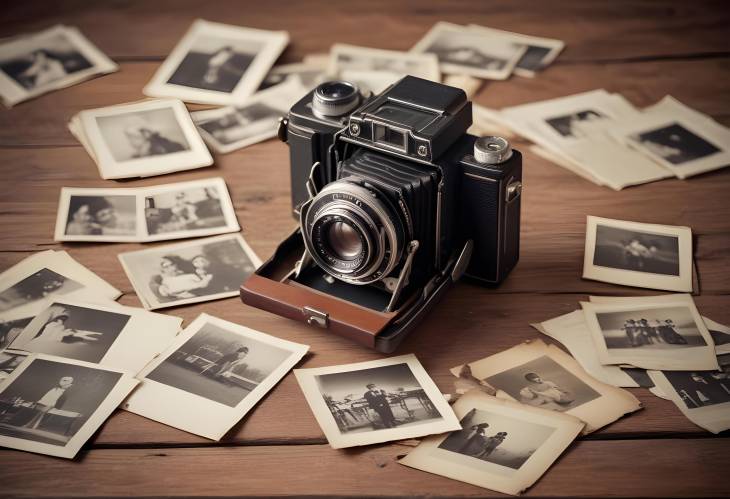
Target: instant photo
point(638, 254)
point(217, 63)
point(462, 50)
point(664, 333)
point(141, 139)
point(120, 337)
point(543, 376)
point(58, 57)
point(96, 215)
point(52, 405)
point(502, 445)
point(372, 402)
point(212, 375)
point(190, 272)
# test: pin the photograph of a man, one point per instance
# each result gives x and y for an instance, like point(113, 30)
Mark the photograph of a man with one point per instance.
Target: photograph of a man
point(378, 401)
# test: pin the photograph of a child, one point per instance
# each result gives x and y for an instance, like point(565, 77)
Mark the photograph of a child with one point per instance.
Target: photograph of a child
point(101, 216)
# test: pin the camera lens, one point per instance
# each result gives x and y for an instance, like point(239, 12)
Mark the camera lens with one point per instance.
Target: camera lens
point(353, 232)
point(344, 241)
point(335, 98)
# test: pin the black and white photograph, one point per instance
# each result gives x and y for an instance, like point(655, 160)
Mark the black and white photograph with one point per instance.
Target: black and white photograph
point(115, 336)
point(678, 138)
point(212, 375)
point(52, 406)
point(638, 254)
point(111, 216)
point(539, 54)
point(720, 335)
point(660, 333)
point(462, 50)
point(502, 445)
point(702, 396)
point(11, 329)
point(377, 401)
point(254, 120)
point(362, 65)
point(190, 272)
point(187, 209)
point(36, 286)
point(10, 360)
point(544, 376)
point(569, 125)
point(141, 139)
point(309, 75)
point(58, 57)
point(217, 63)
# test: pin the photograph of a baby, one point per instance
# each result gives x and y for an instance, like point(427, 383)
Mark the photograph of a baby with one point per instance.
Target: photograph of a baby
point(101, 216)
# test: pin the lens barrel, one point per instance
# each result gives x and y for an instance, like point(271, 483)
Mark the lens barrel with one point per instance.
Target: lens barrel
point(335, 98)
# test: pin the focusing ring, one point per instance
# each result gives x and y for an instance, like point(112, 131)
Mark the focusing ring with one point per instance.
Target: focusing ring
point(335, 98)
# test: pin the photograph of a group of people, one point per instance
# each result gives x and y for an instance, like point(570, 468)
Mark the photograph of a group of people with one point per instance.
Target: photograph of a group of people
point(219, 365)
point(184, 209)
point(50, 401)
point(653, 328)
point(625, 249)
point(376, 398)
point(703, 388)
point(496, 438)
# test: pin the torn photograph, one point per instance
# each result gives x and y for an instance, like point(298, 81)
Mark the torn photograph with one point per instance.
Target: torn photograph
point(142, 139)
point(665, 333)
point(638, 254)
point(190, 272)
point(702, 396)
point(377, 401)
point(212, 375)
point(503, 445)
point(541, 375)
point(53, 406)
point(121, 337)
point(462, 50)
point(57, 57)
point(217, 63)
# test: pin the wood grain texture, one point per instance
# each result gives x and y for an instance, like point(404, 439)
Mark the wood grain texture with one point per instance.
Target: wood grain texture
point(643, 50)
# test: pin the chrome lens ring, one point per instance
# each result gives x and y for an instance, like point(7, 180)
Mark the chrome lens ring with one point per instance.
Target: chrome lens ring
point(370, 215)
point(321, 233)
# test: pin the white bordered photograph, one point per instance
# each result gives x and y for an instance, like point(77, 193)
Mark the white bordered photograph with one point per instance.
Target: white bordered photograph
point(190, 272)
point(37, 63)
point(364, 65)
point(702, 396)
point(142, 139)
point(254, 120)
point(115, 336)
point(25, 286)
point(541, 375)
point(683, 143)
point(212, 375)
point(376, 401)
point(462, 50)
point(659, 333)
point(188, 209)
point(539, 54)
point(53, 406)
point(638, 254)
point(502, 445)
point(217, 63)
point(90, 214)
point(10, 360)
point(309, 75)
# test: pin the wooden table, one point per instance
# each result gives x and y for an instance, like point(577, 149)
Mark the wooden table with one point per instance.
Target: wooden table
point(643, 50)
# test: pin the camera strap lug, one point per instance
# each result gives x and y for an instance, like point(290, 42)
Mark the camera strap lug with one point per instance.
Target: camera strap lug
point(403, 276)
point(463, 261)
point(311, 184)
point(315, 317)
point(281, 131)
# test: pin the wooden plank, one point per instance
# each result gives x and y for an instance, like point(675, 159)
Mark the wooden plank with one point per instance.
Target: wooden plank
point(592, 31)
point(469, 324)
point(698, 83)
point(651, 468)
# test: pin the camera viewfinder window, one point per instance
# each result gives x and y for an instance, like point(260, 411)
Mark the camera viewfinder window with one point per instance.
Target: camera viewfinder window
point(408, 117)
point(385, 135)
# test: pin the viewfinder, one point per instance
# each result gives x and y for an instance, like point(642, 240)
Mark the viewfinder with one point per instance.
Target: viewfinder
point(383, 134)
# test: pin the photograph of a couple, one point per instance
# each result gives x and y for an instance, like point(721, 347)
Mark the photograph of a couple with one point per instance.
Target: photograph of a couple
point(101, 216)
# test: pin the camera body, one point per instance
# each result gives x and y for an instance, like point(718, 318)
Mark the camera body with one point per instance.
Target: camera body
point(396, 201)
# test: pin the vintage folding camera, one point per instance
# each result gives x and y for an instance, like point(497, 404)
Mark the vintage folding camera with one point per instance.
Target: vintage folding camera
point(396, 201)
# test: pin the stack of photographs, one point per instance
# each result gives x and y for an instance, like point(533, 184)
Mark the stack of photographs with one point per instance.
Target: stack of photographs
point(217, 64)
point(57, 57)
point(487, 53)
point(254, 120)
point(191, 272)
point(141, 139)
point(142, 214)
point(603, 138)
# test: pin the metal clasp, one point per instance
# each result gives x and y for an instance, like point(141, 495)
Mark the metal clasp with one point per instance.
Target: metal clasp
point(514, 189)
point(315, 317)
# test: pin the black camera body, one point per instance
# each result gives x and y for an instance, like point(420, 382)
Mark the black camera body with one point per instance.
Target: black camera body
point(396, 201)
